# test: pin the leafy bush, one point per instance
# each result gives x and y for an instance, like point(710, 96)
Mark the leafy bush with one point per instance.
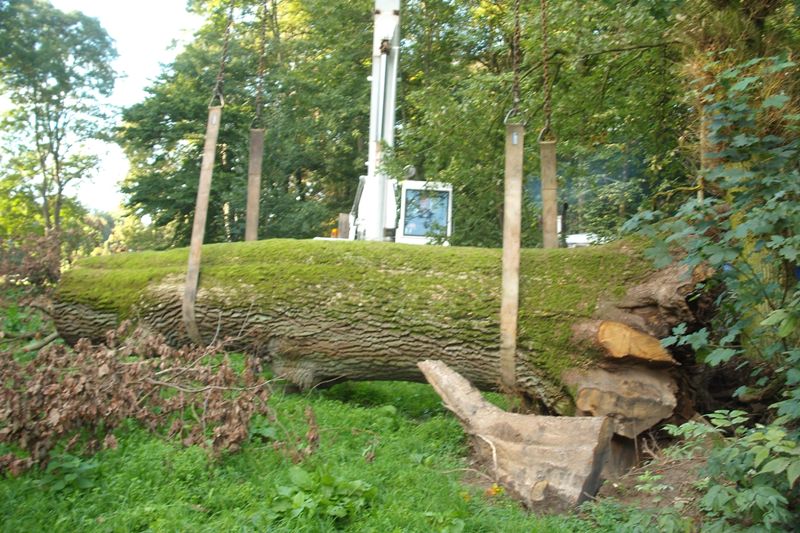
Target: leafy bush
point(752, 477)
point(748, 225)
point(319, 494)
point(747, 228)
point(66, 470)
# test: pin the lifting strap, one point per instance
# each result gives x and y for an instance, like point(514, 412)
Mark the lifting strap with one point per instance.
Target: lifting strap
point(256, 141)
point(547, 150)
point(512, 223)
point(203, 193)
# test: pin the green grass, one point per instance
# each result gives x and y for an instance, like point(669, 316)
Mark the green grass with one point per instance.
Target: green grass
point(420, 460)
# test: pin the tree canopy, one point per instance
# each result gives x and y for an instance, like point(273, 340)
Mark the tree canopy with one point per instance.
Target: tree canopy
point(54, 68)
point(624, 107)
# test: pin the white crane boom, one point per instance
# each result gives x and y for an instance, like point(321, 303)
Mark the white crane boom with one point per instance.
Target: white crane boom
point(376, 207)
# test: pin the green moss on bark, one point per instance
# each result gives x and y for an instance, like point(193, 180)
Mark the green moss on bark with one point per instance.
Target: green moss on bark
point(421, 289)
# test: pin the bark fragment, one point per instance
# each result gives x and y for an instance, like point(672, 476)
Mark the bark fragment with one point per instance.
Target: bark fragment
point(549, 463)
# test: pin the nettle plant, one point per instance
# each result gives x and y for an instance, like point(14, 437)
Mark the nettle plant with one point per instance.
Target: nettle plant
point(747, 229)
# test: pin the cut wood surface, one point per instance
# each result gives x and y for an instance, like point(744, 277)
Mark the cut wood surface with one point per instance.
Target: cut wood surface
point(635, 397)
point(620, 341)
point(325, 311)
point(549, 463)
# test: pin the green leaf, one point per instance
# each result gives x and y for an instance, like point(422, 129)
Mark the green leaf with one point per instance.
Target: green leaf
point(265, 432)
point(85, 483)
point(793, 472)
point(286, 491)
point(730, 73)
point(698, 339)
point(743, 84)
point(774, 317)
point(788, 326)
point(776, 101)
point(776, 465)
point(301, 478)
point(754, 61)
point(777, 67)
point(666, 342)
point(719, 355)
point(337, 511)
point(761, 455)
point(744, 140)
point(790, 253)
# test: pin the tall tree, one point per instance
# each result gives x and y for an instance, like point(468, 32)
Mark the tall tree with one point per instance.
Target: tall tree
point(622, 109)
point(315, 100)
point(54, 68)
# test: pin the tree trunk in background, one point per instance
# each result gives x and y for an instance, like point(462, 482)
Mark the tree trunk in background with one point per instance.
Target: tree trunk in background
point(322, 312)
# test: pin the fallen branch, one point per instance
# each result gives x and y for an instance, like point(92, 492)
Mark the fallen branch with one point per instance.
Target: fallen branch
point(38, 345)
point(18, 336)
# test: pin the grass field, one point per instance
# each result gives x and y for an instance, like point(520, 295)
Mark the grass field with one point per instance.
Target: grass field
point(372, 456)
point(389, 458)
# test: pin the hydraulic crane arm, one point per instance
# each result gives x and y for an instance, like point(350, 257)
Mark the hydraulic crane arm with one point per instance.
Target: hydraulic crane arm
point(376, 208)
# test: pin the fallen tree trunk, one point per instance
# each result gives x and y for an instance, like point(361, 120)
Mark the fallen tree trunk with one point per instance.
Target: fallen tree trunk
point(321, 312)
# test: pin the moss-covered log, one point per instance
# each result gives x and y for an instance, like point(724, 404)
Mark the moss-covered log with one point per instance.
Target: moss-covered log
point(323, 311)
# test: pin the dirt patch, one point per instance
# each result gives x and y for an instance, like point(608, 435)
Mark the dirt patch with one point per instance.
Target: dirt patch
point(668, 479)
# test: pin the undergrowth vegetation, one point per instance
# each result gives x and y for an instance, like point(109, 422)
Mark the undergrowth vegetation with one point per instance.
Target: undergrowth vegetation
point(747, 227)
point(357, 457)
point(133, 435)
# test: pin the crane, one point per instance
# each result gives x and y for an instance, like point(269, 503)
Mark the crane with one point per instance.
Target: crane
point(375, 207)
point(425, 207)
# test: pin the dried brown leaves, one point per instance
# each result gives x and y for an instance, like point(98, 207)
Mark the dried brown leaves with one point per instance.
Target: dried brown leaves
point(85, 393)
point(35, 259)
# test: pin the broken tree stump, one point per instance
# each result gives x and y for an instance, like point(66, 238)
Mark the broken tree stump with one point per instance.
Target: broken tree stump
point(549, 463)
point(635, 397)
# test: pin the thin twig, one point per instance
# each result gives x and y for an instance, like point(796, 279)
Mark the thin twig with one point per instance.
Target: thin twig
point(216, 333)
point(183, 370)
point(18, 336)
point(38, 345)
point(39, 307)
point(473, 470)
point(246, 320)
point(204, 389)
point(627, 48)
point(326, 381)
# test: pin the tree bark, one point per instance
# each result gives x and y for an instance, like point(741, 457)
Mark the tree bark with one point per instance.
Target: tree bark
point(549, 463)
point(322, 312)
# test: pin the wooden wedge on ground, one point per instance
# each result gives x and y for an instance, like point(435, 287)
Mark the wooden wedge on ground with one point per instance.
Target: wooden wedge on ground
point(550, 463)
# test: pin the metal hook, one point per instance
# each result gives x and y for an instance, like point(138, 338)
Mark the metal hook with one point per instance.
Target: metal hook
point(514, 112)
point(217, 94)
point(547, 135)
